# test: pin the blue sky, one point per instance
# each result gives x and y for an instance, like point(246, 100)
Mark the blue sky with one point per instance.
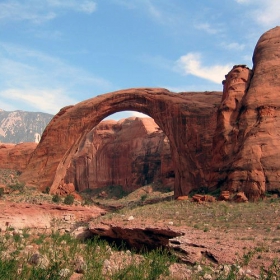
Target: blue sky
point(55, 53)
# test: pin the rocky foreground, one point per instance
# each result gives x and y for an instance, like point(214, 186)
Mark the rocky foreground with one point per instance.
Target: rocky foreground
point(219, 235)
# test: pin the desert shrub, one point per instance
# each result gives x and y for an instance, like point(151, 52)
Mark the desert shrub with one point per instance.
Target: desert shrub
point(144, 197)
point(56, 198)
point(1, 192)
point(17, 186)
point(47, 190)
point(69, 199)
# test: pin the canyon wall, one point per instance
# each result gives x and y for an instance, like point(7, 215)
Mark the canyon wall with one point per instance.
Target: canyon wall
point(131, 152)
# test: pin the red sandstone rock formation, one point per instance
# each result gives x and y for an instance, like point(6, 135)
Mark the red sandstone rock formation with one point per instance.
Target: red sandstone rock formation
point(187, 119)
point(131, 152)
point(43, 216)
point(230, 141)
point(15, 156)
point(247, 139)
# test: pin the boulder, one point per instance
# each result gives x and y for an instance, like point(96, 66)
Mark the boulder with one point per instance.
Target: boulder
point(240, 197)
point(224, 196)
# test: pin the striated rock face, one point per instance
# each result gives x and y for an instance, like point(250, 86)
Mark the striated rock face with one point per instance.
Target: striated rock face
point(16, 156)
point(247, 139)
point(187, 119)
point(131, 152)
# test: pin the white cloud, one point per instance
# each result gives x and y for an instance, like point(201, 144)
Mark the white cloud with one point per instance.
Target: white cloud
point(163, 12)
point(233, 46)
point(46, 100)
point(265, 12)
point(41, 11)
point(190, 64)
point(43, 81)
point(207, 28)
point(76, 5)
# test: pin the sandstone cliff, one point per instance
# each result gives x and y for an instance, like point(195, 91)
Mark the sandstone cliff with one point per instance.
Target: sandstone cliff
point(16, 156)
point(248, 132)
point(187, 119)
point(226, 140)
point(131, 152)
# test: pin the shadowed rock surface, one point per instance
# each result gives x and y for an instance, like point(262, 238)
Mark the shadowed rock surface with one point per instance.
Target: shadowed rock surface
point(131, 153)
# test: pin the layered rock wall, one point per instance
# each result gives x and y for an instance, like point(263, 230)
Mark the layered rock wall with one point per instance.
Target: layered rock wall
point(247, 140)
point(132, 152)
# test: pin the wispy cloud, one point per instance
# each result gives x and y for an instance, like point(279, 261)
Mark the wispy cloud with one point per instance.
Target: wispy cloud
point(41, 11)
point(265, 12)
point(233, 46)
point(46, 100)
point(42, 81)
point(207, 28)
point(190, 64)
point(163, 12)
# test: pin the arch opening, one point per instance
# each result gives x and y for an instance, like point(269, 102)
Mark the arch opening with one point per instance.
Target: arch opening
point(120, 155)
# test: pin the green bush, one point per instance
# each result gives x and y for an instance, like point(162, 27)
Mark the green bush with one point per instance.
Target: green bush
point(17, 187)
point(56, 198)
point(69, 199)
point(47, 190)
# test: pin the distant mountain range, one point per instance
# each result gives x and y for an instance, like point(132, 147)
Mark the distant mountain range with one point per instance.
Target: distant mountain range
point(22, 126)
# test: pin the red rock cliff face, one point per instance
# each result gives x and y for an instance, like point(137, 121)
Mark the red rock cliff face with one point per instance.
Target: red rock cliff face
point(249, 139)
point(132, 152)
point(16, 156)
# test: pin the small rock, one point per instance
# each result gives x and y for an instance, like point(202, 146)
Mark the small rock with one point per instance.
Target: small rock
point(248, 271)
point(80, 265)
point(198, 268)
point(67, 217)
point(130, 218)
point(107, 263)
point(170, 223)
point(39, 260)
point(207, 277)
point(241, 272)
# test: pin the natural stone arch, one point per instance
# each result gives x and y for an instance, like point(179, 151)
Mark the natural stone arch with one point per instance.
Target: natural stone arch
point(187, 119)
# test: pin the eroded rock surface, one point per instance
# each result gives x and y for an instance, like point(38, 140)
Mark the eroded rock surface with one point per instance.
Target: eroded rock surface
point(44, 216)
point(15, 156)
point(187, 119)
point(131, 152)
point(226, 140)
point(247, 139)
